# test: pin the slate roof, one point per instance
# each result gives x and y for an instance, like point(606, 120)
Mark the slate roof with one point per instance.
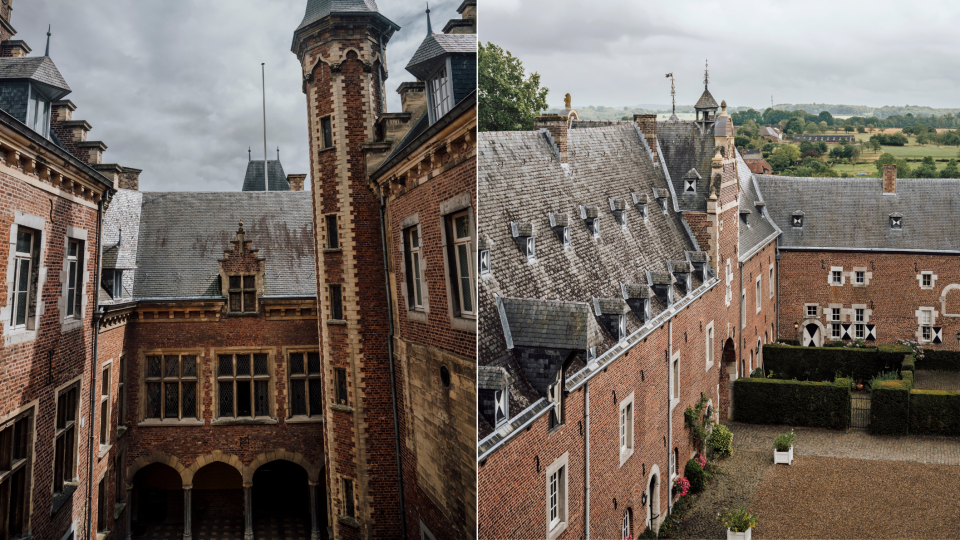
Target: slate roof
point(253, 179)
point(183, 235)
point(853, 213)
point(436, 45)
point(683, 147)
point(318, 9)
point(491, 378)
point(706, 101)
point(759, 228)
point(119, 249)
point(522, 180)
point(40, 69)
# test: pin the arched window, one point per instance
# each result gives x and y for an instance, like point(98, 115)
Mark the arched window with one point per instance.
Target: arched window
point(625, 527)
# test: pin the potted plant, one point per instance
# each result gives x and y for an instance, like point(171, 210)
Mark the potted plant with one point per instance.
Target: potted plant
point(738, 522)
point(783, 448)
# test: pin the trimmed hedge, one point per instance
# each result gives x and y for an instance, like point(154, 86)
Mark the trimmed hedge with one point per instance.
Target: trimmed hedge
point(940, 360)
point(824, 363)
point(694, 473)
point(889, 408)
point(795, 403)
point(935, 412)
point(908, 363)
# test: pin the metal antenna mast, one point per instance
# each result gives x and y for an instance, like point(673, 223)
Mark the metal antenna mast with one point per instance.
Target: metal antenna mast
point(263, 79)
point(673, 93)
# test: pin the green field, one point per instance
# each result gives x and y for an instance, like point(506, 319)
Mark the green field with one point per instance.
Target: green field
point(911, 151)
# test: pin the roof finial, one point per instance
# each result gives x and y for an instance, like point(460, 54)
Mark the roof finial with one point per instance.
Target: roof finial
point(240, 230)
point(47, 53)
point(249, 155)
point(429, 27)
point(706, 74)
point(278, 153)
point(567, 100)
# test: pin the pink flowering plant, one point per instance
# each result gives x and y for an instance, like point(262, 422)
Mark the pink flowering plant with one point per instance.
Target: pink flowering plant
point(701, 460)
point(914, 346)
point(681, 486)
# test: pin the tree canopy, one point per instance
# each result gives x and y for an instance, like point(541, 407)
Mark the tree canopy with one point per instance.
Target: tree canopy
point(903, 170)
point(508, 99)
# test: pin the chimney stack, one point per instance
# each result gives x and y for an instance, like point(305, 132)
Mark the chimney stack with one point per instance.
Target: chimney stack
point(296, 181)
point(648, 125)
point(130, 178)
point(890, 179)
point(557, 126)
point(413, 96)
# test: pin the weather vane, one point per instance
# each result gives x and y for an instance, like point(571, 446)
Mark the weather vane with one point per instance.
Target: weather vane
point(706, 74)
point(673, 93)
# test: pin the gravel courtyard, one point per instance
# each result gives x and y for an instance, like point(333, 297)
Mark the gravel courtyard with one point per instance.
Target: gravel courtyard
point(905, 489)
point(936, 380)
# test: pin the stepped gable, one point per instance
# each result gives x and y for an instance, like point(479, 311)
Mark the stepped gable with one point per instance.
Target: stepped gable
point(683, 147)
point(182, 237)
point(854, 213)
point(760, 228)
point(523, 181)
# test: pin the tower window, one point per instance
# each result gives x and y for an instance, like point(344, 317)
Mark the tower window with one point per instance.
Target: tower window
point(336, 302)
point(74, 278)
point(333, 239)
point(327, 128)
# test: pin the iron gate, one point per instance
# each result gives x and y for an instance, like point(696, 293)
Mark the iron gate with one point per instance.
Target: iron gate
point(860, 410)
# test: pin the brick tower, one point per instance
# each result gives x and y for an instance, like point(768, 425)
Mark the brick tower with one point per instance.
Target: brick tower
point(340, 45)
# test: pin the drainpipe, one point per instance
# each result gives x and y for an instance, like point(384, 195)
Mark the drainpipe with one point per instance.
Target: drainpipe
point(777, 266)
point(586, 390)
point(743, 322)
point(393, 382)
point(97, 314)
point(669, 417)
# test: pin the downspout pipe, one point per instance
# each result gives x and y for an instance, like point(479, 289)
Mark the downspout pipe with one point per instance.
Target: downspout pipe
point(669, 416)
point(393, 381)
point(777, 277)
point(97, 314)
point(743, 323)
point(587, 460)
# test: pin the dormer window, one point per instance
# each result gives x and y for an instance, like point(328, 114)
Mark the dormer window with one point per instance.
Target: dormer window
point(681, 271)
point(112, 283)
point(640, 201)
point(484, 262)
point(591, 354)
point(243, 294)
point(531, 248)
point(560, 224)
point(523, 234)
point(896, 221)
point(661, 196)
point(38, 112)
point(440, 100)
point(612, 315)
point(745, 215)
point(555, 397)
point(637, 296)
point(500, 404)
point(689, 185)
point(590, 215)
point(619, 209)
point(797, 220)
point(662, 285)
point(622, 325)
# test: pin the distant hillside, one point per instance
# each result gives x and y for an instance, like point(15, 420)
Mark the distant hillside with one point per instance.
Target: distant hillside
point(863, 110)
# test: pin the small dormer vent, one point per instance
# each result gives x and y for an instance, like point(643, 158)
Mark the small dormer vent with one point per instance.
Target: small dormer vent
point(637, 296)
point(619, 209)
point(745, 216)
point(896, 221)
point(484, 244)
point(612, 315)
point(523, 234)
point(681, 270)
point(640, 201)
point(690, 181)
point(797, 219)
point(662, 285)
point(560, 224)
point(761, 206)
point(661, 195)
point(700, 262)
point(591, 216)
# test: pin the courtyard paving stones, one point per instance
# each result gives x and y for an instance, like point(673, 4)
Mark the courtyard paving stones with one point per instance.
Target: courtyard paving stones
point(936, 380)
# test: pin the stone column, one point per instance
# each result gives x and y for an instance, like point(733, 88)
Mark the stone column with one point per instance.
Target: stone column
point(129, 510)
point(248, 512)
point(187, 518)
point(314, 526)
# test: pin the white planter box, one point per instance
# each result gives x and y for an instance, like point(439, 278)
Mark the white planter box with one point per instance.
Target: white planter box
point(785, 458)
point(745, 535)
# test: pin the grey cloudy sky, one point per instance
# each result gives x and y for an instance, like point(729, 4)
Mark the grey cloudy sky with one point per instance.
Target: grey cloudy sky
point(173, 87)
point(616, 52)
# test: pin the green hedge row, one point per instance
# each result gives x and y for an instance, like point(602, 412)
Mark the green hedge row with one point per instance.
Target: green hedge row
point(907, 377)
point(935, 412)
point(795, 403)
point(890, 408)
point(824, 363)
point(940, 360)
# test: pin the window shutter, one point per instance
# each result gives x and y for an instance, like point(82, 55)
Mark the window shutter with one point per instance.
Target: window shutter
point(871, 332)
point(938, 334)
point(845, 333)
point(452, 277)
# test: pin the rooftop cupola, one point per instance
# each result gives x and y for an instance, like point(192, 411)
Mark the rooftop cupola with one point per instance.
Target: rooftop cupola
point(706, 106)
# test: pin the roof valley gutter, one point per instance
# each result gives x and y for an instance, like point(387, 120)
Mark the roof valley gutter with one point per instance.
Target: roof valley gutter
point(393, 380)
point(587, 457)
point(93, 369)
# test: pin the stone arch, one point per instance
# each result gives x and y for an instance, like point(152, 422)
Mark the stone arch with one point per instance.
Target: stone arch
point(955, 303)
point(307, 73)
point(313, 471)
point(201, 461)
point(818, 337)
point(653, 516)
point(156, 457)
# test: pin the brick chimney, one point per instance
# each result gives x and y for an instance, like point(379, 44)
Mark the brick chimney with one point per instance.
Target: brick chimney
point(557, 126)
point(413, 97)
point(648, 125)
point(130, 178)
point(296, 181)
point(890, 179)
point(16, 48)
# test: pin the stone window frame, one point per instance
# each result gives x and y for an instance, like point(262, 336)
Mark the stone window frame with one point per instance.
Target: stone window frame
point(14, 336)
point(103, 499)
point(27, 411)
point(271, 417)
point(867, 276)
point(709, 349)
point(142, 420)
point(759, 293)
point(121, 392)
point(69, 486)
point(74, 321)
point(257, 278)
point(447, 209)
point(770, 280)
point(836, 271)
point(105, 434)
point(561, 467)
point(835, 323)
point(933, 321)
point(675, 380)
point(933, 280)
point(422, 313)
point(456, 275)
point(806, 311)
point(331, 237)
point(342, 318)
point(353, 507)
point(331, 143)
point(288, 397)
point(626, 433)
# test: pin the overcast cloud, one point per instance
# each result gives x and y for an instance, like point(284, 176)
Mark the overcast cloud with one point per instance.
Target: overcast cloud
point(173, 87)
point(616, 52)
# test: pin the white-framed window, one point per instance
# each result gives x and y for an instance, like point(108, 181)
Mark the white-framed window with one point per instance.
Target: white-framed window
point(836, 331)
point(555, 396)
point(858, 315)
point(622, 327)
point(591, 354)
point(415, 267)
point(38, 113)
point(811, 310)
point(770, 281)
point(926, 324)
point(556, 492)
point(836, 277)
point(709, 344)
point(675, 375)
point(74, 278)
point(566, 236)
point(728, 276)
point(484, 262)
point(26, 253)
point(112, 282)
point(440, 93)
point(927, 279)
point(465, 273)
point(105, 424)
point(625, 530)
point(859, 331)
point(501, 405)
point(626, 428)
point(860, 277)
point(759, 294)
point(531, 248)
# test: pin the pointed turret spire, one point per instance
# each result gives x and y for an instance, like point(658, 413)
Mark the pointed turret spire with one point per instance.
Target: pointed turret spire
point(706, 74)
point(47, 53)
point(429, 27)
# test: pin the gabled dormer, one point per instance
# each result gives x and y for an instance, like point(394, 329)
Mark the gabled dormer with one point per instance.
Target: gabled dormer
point(662, 285)
point(796, 220)
point(700, 262)
point(612, 315)
point(690, 181)
point(241, 275)
point(745, 216)
point(591, 216)
point(760, 206)
point(523, 235)
point(560, 223)
point(640, 201)
point(619, 209)
point(28, 87)
point(681, 271)
point(637, 297)
point(661, 195)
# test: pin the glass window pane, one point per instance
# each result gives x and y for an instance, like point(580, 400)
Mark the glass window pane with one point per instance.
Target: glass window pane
point(226, 365)
point(314, 362)
point(249, 301)
point(153, 366)
point(249, 282)
point(234, 282)
point(316, 397)
point(235, 301)
point(153, 400)
point(296, 363)
point(171, 400)
point(260, 364)
point(188, 366)
point(189, 400)
point(243, 398)
point(298, 398)
point(342, 387)
point(261, 398)
point(460, 224)
point(72, 250)
point(23, 241)
point(226, 398)
point(243, 364)
point(171, 366)
point(466, 284)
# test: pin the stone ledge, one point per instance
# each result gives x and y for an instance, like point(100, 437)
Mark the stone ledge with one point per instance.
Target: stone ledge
point(349, 521)
point(170, 422)
point(59, 499)
point(332, 250)
point(335, 322)
point(244, 421)
point(304, 420)
point(118, 509)
point(341, 408)
point(327, 149)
